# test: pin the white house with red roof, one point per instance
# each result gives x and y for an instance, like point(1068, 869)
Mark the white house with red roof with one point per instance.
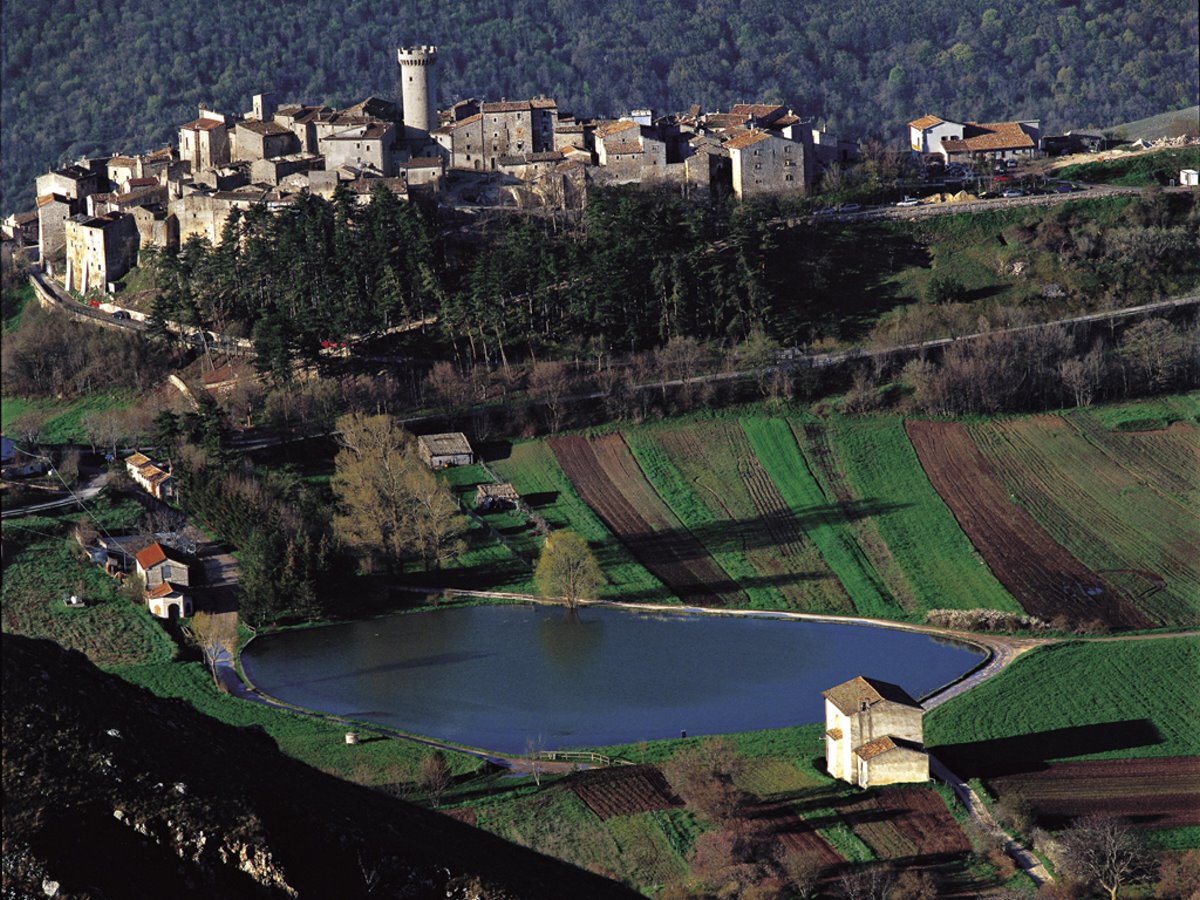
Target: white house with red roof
point(169, 601)
point(972, 140)
point(156, 568)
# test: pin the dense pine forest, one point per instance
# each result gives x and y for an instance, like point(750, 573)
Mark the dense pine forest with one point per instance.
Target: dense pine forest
point(81, 76)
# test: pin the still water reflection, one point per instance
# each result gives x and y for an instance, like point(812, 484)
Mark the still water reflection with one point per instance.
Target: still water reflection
point(502, 676)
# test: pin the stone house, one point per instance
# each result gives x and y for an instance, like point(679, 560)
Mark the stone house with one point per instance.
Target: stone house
point(22, 228)
point(424, 172)
point(442, 450)
point(204, 142)
point(505, 128)
point(74, 182)
point(302, 122)
point(874, 734)
point(361, 145)
point(273, 171)
point(53, 211)
point(99, 250)
point(764, 163)
point(156, 567)
point(262, 140)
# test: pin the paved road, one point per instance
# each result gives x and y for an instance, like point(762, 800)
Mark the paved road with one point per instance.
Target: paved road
point(89, 489)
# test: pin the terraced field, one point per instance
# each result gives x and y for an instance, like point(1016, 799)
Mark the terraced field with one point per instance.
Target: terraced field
point(712, 479)
point(607, 477)
point(1123, 504)
point(1044, 578)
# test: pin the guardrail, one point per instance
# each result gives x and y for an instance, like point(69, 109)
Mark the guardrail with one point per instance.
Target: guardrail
point(581, 756)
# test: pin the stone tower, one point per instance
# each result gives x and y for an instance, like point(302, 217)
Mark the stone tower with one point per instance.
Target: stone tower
point(418, 90)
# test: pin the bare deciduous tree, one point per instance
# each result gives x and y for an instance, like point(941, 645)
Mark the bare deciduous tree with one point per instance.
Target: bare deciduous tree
point(1105, 851)
point(216, 636)
point(435, 776)
point(551, 383)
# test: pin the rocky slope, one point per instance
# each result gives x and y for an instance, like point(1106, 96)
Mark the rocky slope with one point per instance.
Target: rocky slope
point(112, 792)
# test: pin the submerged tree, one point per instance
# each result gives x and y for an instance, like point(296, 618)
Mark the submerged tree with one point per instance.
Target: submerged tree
point(567, 569)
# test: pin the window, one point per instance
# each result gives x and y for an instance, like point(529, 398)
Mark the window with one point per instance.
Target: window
point(788, 178)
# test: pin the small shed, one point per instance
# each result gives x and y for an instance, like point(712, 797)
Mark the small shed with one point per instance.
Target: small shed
point(489, 497)
point(1189, 176)
point(169, 601)
point(442, 450)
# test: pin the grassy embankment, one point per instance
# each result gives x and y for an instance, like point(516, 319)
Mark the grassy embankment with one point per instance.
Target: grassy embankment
point(1140, 170)
point(64, 423)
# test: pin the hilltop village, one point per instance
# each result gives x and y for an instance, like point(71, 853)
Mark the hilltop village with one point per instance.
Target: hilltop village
point(92, 216)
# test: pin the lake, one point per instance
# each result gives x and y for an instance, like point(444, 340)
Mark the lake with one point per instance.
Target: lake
point(507, 678)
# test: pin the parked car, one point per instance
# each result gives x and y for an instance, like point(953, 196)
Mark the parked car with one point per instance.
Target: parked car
point(122, 314)
point(849, 207)
point(1013, 194)
point(908, 201)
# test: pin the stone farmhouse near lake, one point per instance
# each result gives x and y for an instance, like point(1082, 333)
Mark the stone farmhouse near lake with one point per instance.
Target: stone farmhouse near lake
point(874, 734)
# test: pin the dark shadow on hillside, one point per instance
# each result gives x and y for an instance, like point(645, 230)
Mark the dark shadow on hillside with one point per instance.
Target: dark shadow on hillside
point(1032, 752)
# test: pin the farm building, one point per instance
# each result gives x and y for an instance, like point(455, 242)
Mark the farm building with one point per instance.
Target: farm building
point(874, 734)
point(157, 568)
point(153, 480)
point(168, 601)
point(442, 450)
point(1189, 176)
point(495, 496)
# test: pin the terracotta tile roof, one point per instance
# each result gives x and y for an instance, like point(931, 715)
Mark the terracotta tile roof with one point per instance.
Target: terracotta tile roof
point(925, 122)
point(161, 590)
point(997, 136)
point(607, 129)
point(723, 120)
point(790, 119)
point(46, 199)
point(142, 182)
point(543, 103)
point(508, 106)
point(469, 120)
point(953, 145)
point(880, 746)
point(122, 161)
point(835, 733)
point(151, 556)
point(749, 139)
point(423, 162)
point(203, 125)
point(757, 110)
point(623, 147)
point(271, 127)
point(164, 153)
point(137, 460)
point(849, 695)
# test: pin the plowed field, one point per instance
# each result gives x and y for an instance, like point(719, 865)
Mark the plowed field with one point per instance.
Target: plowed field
point(1123, 504)
point(1154, 793)
point(608, 479)
point(624, 791)
point(739, 494)
point(793, 833)
point(910, 823)
point(1043, 577)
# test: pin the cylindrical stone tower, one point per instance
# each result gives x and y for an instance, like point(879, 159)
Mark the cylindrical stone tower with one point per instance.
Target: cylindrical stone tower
point(418, 90)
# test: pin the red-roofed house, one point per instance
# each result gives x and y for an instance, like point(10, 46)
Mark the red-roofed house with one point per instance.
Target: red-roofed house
point(970, 140)
point(874, 734)
point(156, 568)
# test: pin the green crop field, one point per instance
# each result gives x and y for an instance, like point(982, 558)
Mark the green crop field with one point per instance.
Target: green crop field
point(939, 569)
point(716, 480)
point(777, 450)
point(534, 472)
point(1125, 505)
point(1096, 700)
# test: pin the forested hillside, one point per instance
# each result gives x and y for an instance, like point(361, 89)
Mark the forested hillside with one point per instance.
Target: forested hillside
point(87, 75)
